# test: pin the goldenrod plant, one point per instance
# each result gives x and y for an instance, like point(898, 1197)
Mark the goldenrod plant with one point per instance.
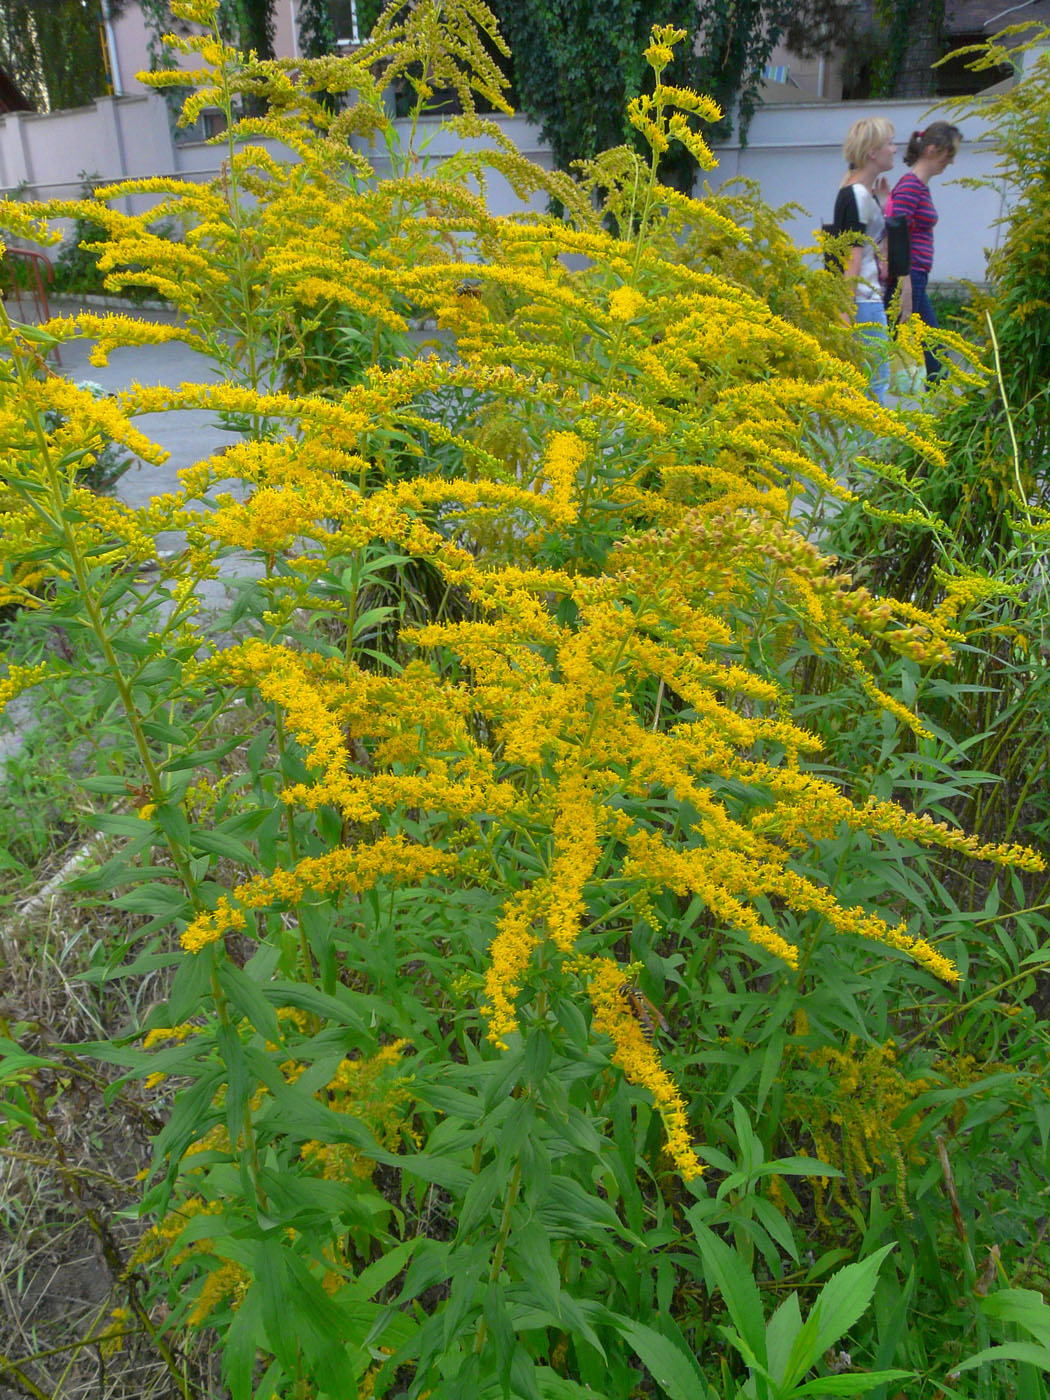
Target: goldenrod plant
point(504, 775)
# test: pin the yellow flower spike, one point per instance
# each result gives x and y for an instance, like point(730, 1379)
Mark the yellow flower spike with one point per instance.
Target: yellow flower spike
point(509, 957)
point(22, 678)
point(203, 12)
point(577, 850)
point(344, 870)
point(639, 1061)
point(640, 114)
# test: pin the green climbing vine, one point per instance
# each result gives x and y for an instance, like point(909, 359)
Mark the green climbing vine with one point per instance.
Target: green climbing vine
point(576, 67)
point(317, 34)
point(903, 24)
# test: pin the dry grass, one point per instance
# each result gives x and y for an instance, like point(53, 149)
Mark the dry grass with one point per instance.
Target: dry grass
point(68, 1171)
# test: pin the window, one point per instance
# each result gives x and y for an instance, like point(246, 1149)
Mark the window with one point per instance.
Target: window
point(214, 123)
point(343, 14)
point(954, 79)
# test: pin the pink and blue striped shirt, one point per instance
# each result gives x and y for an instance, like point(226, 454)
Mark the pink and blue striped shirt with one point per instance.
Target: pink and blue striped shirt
point(912, 199)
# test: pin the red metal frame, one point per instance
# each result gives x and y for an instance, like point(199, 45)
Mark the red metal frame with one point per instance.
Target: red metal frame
point(41, 276)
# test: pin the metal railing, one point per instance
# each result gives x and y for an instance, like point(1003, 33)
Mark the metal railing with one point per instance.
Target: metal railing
point(26, 276)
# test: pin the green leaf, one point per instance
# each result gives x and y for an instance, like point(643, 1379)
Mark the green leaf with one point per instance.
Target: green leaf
point(532, 1254)
point(219, 843)
point(172, 820)
point(454, 1103)
point(728, 1271)
point(751, 1153)
point(115, 823)
point(797, 1166)
point(248, 999)
point(241, 1343)
point(191, 757)
point(477, 1203)
point(1024, 1306)
point(105, 783)
point(376, 1276)
point(14, 1060)
point(164, 733)
point(165, 901)
point(844, 1298)
point(782, 1332)
point(573, 1213)
point(1028, 1352)
point(555, 1387)
point(670, 1367)
point(851, 1384)
point(339, 1009)
point(370, 617)
point(774, 1224)
point(238, 1080)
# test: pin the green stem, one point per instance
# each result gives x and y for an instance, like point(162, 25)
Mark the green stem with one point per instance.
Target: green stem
point(1021, 495)
point(97, 623)
point(501, 1246)
point(1029, 971)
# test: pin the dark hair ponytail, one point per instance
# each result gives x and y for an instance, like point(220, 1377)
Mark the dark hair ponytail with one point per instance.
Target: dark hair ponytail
point(938, 136)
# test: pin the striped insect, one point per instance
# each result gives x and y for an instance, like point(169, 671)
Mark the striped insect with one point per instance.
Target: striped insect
point(648, 1016)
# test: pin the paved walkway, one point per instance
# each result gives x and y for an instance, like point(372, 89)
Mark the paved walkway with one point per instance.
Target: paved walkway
point(187, 434)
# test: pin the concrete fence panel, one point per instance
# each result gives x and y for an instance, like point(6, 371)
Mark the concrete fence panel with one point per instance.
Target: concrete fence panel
point(793, 154)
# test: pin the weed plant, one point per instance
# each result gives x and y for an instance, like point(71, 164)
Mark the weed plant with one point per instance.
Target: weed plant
point(78, 268)
point(549, 1001)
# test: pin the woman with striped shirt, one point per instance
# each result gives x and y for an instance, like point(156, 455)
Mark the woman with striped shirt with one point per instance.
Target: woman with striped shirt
point(929, 153)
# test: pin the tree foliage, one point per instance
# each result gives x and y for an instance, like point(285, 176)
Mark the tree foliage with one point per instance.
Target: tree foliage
point(256, 26)
point(910, 39)
point(316, 31)
point(53, 51)
point(576, 68)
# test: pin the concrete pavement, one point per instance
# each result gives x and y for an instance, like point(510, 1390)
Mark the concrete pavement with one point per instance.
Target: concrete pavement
point(188, 435)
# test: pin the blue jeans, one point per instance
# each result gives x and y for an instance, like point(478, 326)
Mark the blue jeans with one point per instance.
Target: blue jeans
point(922, 307)
point(871, 318)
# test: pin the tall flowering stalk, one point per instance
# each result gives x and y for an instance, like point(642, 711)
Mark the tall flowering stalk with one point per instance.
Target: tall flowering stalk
point(595, 472)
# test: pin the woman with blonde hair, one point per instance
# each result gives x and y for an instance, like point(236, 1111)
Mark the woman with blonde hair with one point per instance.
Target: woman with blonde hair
point(870, 151)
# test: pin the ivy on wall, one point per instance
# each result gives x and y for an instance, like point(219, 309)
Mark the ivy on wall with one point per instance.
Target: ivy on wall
point(910, 37)
point(317, 34)
point(576, 67)
point(256, 27)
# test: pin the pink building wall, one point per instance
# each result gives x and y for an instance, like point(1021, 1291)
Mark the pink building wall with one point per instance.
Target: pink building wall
point(131, 43)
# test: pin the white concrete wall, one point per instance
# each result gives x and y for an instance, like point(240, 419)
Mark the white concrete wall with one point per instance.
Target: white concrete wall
point(794, 154)
point(115, 138)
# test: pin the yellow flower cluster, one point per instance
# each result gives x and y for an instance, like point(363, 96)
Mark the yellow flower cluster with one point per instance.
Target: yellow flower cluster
point(509, 957)
point(365, 1089)
point(21, 678)
point(625, 303)
point(347, 869)
point(639, 1061)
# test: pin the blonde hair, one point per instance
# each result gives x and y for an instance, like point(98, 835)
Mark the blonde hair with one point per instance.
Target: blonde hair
point(864, 137)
